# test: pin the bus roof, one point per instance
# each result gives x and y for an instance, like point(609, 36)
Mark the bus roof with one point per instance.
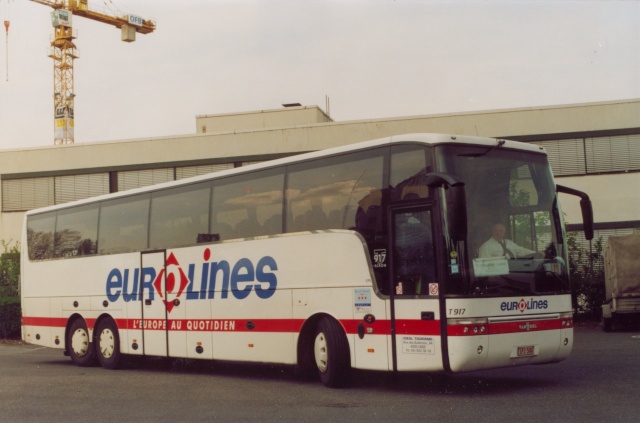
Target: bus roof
point(423, 138)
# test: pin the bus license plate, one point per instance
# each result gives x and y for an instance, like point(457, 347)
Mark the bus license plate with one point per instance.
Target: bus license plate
point(526, 351)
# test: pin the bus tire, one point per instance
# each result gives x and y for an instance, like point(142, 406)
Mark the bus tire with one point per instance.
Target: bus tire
point(78, 344)
point(331, 354)
point(107, 344)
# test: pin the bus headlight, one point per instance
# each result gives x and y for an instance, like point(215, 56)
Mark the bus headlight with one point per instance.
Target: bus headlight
point(458, 327)
point(566, 320)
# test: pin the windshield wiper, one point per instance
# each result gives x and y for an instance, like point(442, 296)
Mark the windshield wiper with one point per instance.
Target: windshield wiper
point(499, 143)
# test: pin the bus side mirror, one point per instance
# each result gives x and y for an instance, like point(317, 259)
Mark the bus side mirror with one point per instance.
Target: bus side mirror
point(456, 203)
point(585, 207)
point(587, 217)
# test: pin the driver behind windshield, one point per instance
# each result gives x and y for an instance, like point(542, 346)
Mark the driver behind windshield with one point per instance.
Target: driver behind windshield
point(498, 246)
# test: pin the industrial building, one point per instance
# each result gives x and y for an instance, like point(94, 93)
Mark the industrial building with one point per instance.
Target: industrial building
point(593, 147)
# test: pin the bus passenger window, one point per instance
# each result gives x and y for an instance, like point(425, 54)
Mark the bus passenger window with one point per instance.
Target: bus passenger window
point(124, 225)
point(77, 232)
point(333, 193)
point(409, 168)
point(40, 229)
point(248, 206)
point(178, 215)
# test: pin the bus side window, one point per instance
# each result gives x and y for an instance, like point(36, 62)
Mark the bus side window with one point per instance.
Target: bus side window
point(124, 225)
point(248, 206)
point(334, 193)
point(40, 229)
point(178, 215)
point(77, 232)
point(409, 167)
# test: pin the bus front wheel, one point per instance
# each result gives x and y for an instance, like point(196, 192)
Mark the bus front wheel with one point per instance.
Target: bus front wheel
point(78, 345)
point(108, 344)
point(331, 353)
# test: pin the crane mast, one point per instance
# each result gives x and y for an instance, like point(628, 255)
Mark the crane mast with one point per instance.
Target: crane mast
point(63, 53)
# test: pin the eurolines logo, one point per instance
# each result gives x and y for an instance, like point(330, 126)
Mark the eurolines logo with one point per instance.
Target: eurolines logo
point(194, 281)
point(523, 305)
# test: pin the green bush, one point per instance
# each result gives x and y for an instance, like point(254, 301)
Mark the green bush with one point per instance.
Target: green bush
point(586, 268)
point(10, 315)
point(10, 312)
point(10, 270)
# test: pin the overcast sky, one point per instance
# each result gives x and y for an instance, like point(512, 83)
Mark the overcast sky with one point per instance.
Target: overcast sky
point(374, 59)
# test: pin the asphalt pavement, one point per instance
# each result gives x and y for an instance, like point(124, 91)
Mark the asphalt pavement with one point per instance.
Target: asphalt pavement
point(598, 383)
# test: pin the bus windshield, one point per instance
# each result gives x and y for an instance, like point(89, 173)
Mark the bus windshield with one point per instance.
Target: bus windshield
point(514, 244)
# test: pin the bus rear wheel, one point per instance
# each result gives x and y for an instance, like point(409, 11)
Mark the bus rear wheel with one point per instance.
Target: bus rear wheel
point(108, 344)
point(331, 354)
point(78, 344)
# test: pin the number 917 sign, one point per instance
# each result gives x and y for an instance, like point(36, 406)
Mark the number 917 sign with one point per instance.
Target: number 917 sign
point(380, 258)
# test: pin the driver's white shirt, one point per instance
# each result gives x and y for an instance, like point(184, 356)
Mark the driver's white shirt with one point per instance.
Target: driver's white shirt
point(493, 248)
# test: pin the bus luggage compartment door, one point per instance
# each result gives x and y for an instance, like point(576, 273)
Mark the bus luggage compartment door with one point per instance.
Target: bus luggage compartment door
point(154, 310)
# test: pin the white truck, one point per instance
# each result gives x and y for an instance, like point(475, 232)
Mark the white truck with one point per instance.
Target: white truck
point(622, 279)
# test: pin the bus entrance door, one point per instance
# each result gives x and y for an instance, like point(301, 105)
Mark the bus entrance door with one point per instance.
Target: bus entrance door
point(413, 301)
point(154, 310)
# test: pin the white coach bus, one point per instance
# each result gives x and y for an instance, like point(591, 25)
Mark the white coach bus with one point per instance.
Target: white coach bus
point(368, 256)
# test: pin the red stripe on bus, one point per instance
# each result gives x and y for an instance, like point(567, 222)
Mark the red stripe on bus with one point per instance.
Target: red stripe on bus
point(403, 327)
point(379, 327)
point(213, 325)
point(418, 327)
point(52, 322)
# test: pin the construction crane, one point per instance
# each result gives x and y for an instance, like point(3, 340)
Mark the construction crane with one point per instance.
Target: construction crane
point(63, 54)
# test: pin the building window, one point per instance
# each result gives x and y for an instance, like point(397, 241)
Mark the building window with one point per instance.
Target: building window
point(27, 194)
point(131, 179)
point(78, 187)
point(32, 193)
point(183, 172)
point(613, 154)
point(584, 156)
